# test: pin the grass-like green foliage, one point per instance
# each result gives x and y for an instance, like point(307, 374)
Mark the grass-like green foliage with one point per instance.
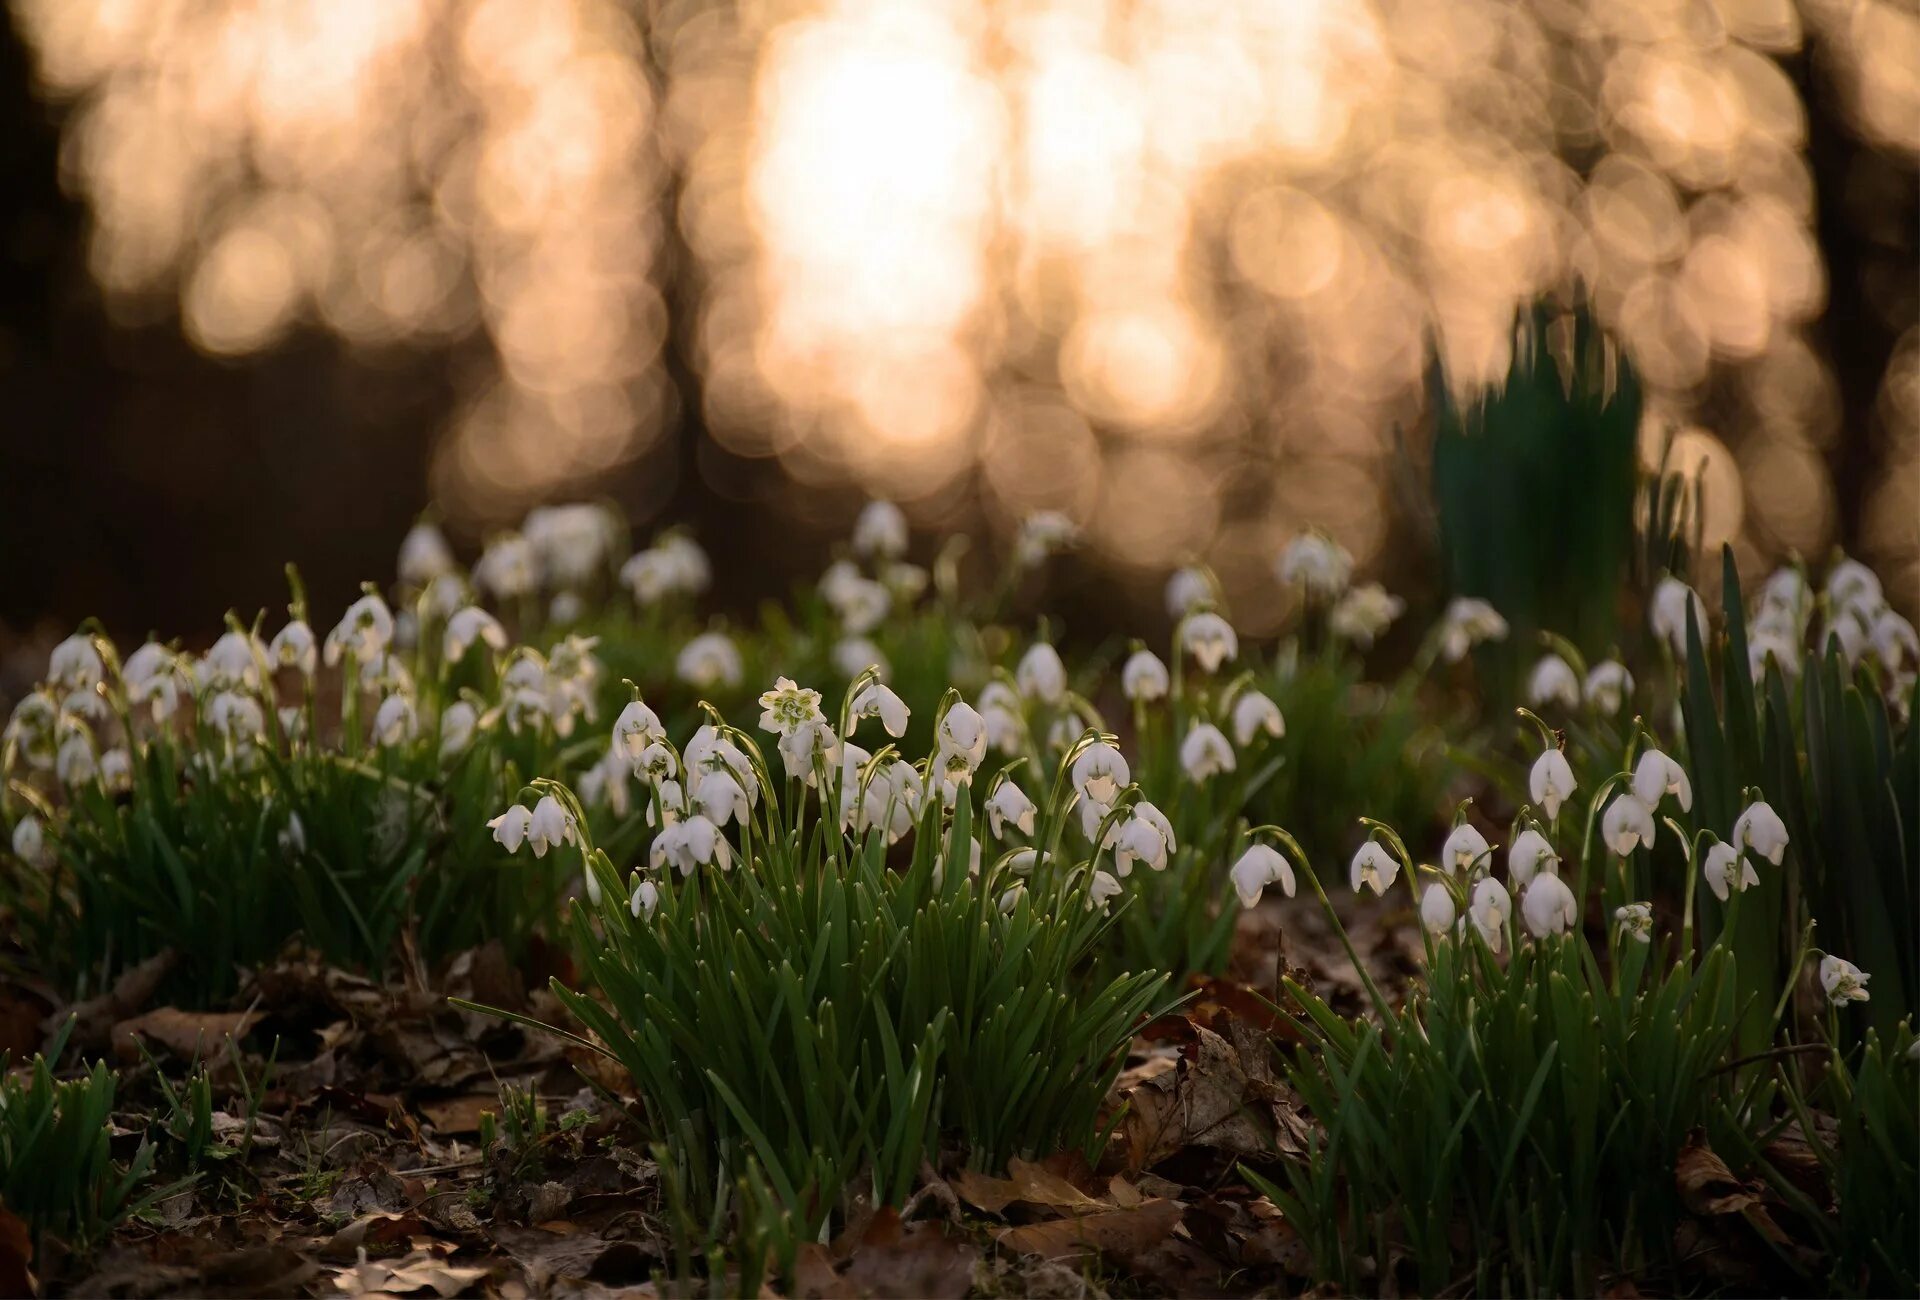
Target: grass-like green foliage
point(57, 1170)
point(1844, 775)
point(1535, 481)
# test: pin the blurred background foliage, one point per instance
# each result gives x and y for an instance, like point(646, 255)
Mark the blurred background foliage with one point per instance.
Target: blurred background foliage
point(272, 278)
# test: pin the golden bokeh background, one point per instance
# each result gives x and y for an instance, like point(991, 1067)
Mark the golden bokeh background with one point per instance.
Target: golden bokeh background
point(1169, 266)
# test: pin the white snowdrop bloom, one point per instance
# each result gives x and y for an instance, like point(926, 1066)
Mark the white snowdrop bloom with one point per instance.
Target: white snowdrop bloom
point(1000, 710)
point(1552, 682)
point(424, 555)
point(30, 842)
point(292, 837)
point(1260, 866)
point(962, 735)
point(806, 748)
point(1626, 825)
point(364, 631)
point(1468, 622)
point(1254, 713)
point(1009, 805)
point(605, 784)
point(235, 717)
point(386, 675)
point(549, 827)
point(1778, 647)
point(1548, 906)
point(853, 655)
point(877, 701)
point(1851, 585)
point(691, 843)
point(293, 646)
point(31, 728)
point(1787, 596)
point(1530, 855)
point(1041, 534)
point(1188, 590)
point(88, 704)
point(1843, 981)
point(1656, 775)
point(672, 801)
point(1550, 781)
point(1635, 921)
point(470, 625)
point(645, 901)
point(836, 580)
point(1146, 836)
point(881, 530)
point(511, 828)
point(151, 675)
point(692, 572)
point(1893, 640)
point(709, 750)
point(1101, 890)
point(1489, 910)
point(447, 593)
point(904, 582)
point(1100, 773)
point(720, 796)
point(1316, 562)
point(1726, 871)
point(862, 605)
point(1363, 613)
point(1759, 830)
point(1143, 677)
point(1373, 867)
point(651, 575)
point(788, 707)
point(1844, 630)
point(1667, 613)
point(508, 568)
point(709, 660)
point(1011, 899)
point(75, 762)
point(1776, 620)
point(458, 722)
point(75, 664)
point(231, 663)
point(1438, 910)
point(1466, 850)
point(573, 674)
point(394, 722)
point(891, 800)
point(571, 542)
point(1609, 686)
point(1210, 639)
point(1041, 675)
point(637, 727)
point(116, 769)
point(1022, 862)
point(1205, 753)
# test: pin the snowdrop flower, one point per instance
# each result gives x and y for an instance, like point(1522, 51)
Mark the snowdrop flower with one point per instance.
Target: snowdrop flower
point(30, 842)
point(1531, 855)
point(235, 717)
point(1609, 685)
point(1843, 981)
point(1845, 631)
point(424, 555)
point(151, 675)
point(1667, 614)
point(637, 727)
point(1189, 589)
point(1787, 597)
point(1626, 825)
point(1851, 585)
point(861, 604)
point(645, 901)
point(651, 575)
point(1041, 675)
point(709, 660)
point(1011, 899)
point(1363, 613)
point(691, 571)
point(604, 785)
point(1552, 682)
point(1316, 562)
point(1548, 906)
point(458, 721)
point(881, 531)
point(1893, 640)
point(293, 646)
point(1551, 781)
point(1490, 909)
point(1466, 850)
point(1779, 647)
point(465, 627)
point(1254, 713)
point(1635, 920)
point(657, 763)
point(571, 541)
point(1144, 678)
point(1373, 867)
point(891, 800)
point(1725, 870)
point(788, 707)
point(672, 801)
point(445, 594)
point(1210, 639)
point(1260, 866)
point(877, 701)
point(721, 797)
point(232, 662)
point(116, 769)
point(690, 843)
point(853, 655)
point(293, 836)
point(32, 726)
point(1000, 711)
point(511, 828)
point(709, 751)
point(75, 664)
point(1100, 772)
point(1146, 836)
point(364, 631)
point(1041, 534)
point(1437, 910)
point(1656, 775)
point(1467, 622)
point(75, 762)
point(1009, 805)
point(1205, 753)
point(508, 568)
point(395, 722)
point(806, 748)
point(904, 582)
point(549, 827)
point(1760, 830)
point(1101, 890)
point(962, 735)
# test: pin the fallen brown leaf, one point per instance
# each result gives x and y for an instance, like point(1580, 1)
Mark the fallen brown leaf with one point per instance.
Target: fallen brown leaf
point(16, 1256)
point(1118, 1232)
point(896, 1261)
point(186, 1034)
point(419, 1271)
